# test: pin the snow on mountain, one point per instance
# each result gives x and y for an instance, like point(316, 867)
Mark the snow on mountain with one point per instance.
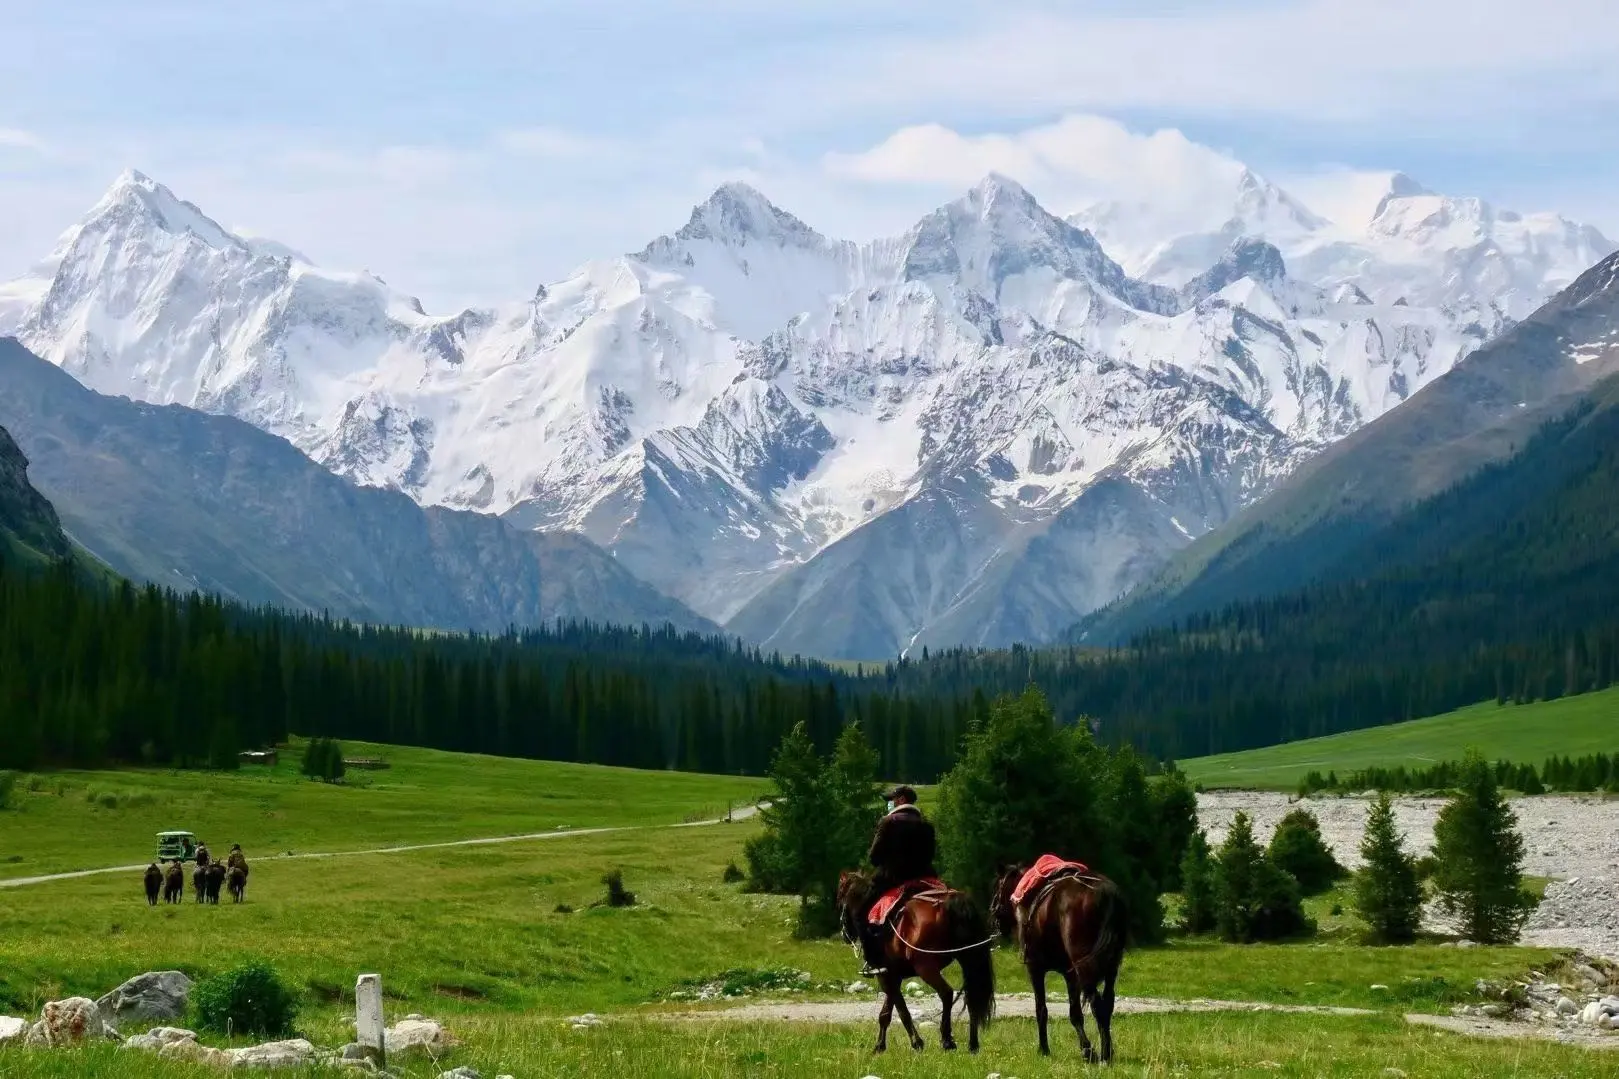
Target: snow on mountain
point(1463, 255)
point(975, 431)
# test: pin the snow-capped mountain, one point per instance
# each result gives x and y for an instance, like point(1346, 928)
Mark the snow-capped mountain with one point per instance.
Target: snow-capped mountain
point(1459, 255)
point(973, 432)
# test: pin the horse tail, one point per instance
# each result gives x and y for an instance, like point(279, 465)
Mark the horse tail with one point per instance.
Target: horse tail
point(1112, 931)
point(969, 930)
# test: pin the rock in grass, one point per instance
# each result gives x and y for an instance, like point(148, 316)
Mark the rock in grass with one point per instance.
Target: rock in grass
point(1565, 1006)
point(155, 1039)
point(463, 1072)
point(155, 996)
point(291, 1053)
point(196, 1054)
point(416, 1036)
point(12, 1029)
point(73, 1021)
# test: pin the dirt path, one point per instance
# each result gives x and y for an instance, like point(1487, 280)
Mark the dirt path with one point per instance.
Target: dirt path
point(926, 1009)
point(1014, 1004)
point(560, 833)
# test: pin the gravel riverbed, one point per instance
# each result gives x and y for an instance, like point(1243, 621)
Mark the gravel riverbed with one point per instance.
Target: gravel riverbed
point(1571, 839)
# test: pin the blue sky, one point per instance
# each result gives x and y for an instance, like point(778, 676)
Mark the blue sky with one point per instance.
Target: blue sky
point(467, 151)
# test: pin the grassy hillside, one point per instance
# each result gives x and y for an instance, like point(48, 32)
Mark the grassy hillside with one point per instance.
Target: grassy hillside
point(1570, 726)
point(482, 937)
point(66, 821)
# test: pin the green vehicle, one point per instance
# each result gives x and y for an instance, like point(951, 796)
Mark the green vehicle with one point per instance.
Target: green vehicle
point(176, 846)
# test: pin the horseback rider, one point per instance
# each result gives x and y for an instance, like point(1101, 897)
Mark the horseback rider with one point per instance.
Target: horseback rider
point(202, 854)
point(902, 851)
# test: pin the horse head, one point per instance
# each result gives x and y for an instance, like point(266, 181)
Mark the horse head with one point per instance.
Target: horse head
point(1001, 910)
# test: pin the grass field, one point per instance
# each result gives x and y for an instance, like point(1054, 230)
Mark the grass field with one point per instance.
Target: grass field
point(1530, 733)
point(475, 936)
point(84, 820)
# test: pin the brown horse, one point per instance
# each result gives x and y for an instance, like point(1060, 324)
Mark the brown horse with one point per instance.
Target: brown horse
point(154, 884)
point(1075, 925)
point(174, 884)
point(932, 930)
point(216, 880)
point(236, 882)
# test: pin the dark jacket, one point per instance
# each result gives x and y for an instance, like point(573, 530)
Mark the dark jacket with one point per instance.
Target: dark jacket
point(904, 847)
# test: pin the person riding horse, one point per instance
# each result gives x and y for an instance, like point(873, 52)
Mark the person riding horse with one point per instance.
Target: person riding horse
point(202, 855)
point(902, 851)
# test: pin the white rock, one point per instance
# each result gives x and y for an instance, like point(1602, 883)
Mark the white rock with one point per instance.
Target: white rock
point(12, 1029)
point(463, 1072)
point(1565, 1006)
point(156, 1038)
point(291, 1053)
point(1610, 1005)
point(1591, 1014)
point(416, 1035)
point(157, 995)
point(197, 1054)
point(68, 1022)
point(858, 987)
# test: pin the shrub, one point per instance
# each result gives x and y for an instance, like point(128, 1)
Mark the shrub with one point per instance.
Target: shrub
point(8, 787)
point(1298, 848)
point(617, 896)
point(1197, 886)
point(249, 999)
point(1479, 856)
point(1254, 900)
point(1388, 893)
point(733, 874)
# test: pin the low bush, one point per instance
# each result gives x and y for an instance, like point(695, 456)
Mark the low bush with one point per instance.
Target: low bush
point(249, 999)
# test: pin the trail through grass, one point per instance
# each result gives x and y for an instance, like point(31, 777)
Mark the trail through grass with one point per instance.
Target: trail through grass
point(503, 942)
point(86, 820)
point(1571, 726)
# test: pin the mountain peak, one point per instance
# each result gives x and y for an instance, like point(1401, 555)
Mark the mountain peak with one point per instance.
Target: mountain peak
point(738, 212)
point(996, 186)
point(1398, 186)
point(136, 195)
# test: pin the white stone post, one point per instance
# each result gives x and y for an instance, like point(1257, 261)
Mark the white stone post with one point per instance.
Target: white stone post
point(368, 1028)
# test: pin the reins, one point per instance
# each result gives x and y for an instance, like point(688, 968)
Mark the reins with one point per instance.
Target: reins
point(936, 896)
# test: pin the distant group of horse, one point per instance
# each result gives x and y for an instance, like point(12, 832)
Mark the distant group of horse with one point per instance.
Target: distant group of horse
point(207, 880)
point(1073, 922)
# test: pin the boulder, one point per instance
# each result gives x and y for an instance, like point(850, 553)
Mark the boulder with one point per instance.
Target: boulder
point(156, 1038)
point(292, 1053)
point(155, 996)
point(12, 1029)
point(1566, 1006)
point(416, 1036)
point(188, 1050)
point(463, 1072)
point(1592, 1015)
point(68, 1022)
point(1610, 1005)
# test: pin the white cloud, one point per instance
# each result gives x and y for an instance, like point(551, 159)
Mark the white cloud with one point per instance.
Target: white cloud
point(1071, 163)
point(14, 138)
point(557, 144)
point(1358, 61)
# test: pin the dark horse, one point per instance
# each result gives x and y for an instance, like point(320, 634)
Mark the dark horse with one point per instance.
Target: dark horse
point(931, 930)
point(1076, 925)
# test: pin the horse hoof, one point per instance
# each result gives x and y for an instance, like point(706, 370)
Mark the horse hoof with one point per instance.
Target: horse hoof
point(948, 1047)
point(918, 1045)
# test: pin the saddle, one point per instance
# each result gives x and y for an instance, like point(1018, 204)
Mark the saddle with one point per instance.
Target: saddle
point(1040, 876)
point(892, 900)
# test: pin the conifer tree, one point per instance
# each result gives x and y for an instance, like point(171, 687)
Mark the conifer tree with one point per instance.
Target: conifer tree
point(1254, 900)
point(1388, 895)
point(1297, 847)
point(1198, 906)
point(1479, 859)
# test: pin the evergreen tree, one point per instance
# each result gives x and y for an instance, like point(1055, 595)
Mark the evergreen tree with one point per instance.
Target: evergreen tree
point(1479, 859)
point(1199, 908)
point(1175, 810)
point(1388, 895)
point(1297, 847)
point(1024, 786)
point(1254, 900)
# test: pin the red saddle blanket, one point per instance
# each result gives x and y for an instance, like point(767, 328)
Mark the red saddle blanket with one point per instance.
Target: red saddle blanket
point(1040, 872)
point(880, 910)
